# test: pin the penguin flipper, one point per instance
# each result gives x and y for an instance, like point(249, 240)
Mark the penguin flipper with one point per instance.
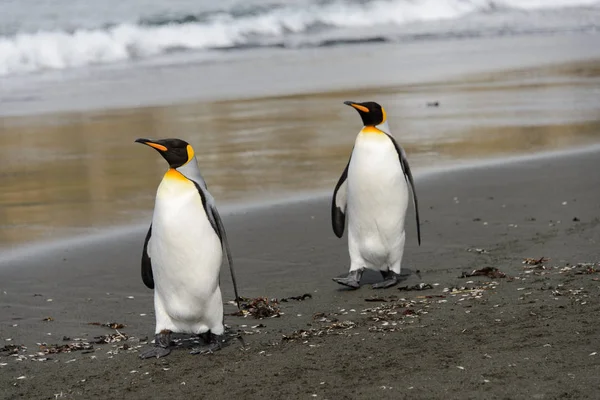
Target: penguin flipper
point(147, 276)
point(215, 220)
point(338, 204)
point(409, 178)
point(220, 229)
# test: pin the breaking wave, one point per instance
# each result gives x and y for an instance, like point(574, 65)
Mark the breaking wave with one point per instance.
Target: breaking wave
point(276, 25)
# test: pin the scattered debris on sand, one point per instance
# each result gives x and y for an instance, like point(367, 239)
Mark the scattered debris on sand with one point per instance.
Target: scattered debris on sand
point(64, 348)
point(298, 298)
point(490, 272)
point(11, 349)
point(382, 299)
point(48, 319)
point(535, 261)
point(259, 307)
point(477, 250)
point(111, 325)
point(418, 286)
point(112, 338)
point(335, 328)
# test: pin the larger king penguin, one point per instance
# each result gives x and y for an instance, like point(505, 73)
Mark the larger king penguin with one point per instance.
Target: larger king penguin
point(372, 195)
point(183, 252)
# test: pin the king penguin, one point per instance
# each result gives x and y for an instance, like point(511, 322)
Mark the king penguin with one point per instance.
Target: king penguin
point(183, 253)
point(372, 196)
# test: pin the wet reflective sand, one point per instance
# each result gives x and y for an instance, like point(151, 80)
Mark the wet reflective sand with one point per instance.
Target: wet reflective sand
point(70, 173)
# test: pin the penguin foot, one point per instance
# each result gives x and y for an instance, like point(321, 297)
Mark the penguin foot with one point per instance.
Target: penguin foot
point(352, 280)
point(162, 341)
point(214, 344)
point(155, 352)
point(390, 278)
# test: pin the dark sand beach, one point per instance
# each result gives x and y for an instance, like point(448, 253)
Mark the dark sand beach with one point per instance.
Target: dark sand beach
point(531, 334)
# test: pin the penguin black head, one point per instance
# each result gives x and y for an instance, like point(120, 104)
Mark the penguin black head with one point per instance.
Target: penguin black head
point(177, 152)
point(372, 114)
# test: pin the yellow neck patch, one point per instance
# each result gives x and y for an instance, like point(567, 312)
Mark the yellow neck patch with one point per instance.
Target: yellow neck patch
point(371, 130)
point(173, 174)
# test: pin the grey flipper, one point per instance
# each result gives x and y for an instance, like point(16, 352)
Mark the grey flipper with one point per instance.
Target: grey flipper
point(409, 178)
point(147, 276)
point(338, 203)
point(217, 224)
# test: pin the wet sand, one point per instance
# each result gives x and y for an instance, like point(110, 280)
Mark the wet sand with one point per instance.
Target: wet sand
point(531, 334)
point(74, 173)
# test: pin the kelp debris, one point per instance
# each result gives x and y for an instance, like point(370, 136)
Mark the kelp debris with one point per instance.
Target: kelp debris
point(418, 286)
point(535, 261)
point(259, 307)
point(490, 272)
point(298, 298)
point(111, 325)
point(65, 348)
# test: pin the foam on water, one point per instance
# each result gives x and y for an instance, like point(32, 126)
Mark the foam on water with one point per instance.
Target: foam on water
point(28, 50)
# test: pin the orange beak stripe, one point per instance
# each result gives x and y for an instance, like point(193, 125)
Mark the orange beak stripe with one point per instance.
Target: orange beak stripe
point(359, 107)
point(157, 146)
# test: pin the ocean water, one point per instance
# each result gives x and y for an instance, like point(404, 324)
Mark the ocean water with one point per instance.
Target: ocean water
point(42, 35)
point(257, 87)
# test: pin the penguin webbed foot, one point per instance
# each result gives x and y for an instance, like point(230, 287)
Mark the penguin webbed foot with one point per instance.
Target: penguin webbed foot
point(213, 344)
point(162, 341)
point(390, 278)
point(352, 280)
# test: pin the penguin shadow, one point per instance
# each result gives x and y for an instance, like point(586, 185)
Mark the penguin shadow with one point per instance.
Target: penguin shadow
point(370, 277)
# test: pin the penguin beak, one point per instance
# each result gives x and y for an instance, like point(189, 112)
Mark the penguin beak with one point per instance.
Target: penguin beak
point(357, 106)
point(151, 143)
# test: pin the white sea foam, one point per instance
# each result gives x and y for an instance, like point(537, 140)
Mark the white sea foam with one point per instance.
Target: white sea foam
point(33, 51)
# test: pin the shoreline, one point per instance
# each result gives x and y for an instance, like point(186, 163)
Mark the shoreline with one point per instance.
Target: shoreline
point(250, 150)
point(233, 208)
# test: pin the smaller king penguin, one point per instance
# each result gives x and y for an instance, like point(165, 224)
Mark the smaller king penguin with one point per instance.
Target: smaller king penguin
point(372, 196)
point(183, 253)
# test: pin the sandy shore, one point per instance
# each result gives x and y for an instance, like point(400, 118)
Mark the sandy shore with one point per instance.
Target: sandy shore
point(531, 334)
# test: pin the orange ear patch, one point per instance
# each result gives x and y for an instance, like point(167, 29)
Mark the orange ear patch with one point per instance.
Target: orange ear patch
point(190, 152)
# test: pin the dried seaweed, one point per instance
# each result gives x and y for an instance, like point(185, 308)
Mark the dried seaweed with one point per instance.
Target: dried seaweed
point(259, 307)
point(335, 328)
point(588, 268)
point(490, 272)
point(112, 338)
point(65, 348)
point(419, 286)
point(11, 349)
point(111, 325)
point(535, 261)
point(382, 299)
point(298, 298)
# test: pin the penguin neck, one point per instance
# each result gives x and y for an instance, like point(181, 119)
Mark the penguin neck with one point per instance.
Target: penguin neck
point(191, 171)
point(371, 130)
point(174, 175)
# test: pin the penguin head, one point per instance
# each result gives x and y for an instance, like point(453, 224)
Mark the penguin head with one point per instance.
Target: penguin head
point(177, 152)
point(372, 114)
